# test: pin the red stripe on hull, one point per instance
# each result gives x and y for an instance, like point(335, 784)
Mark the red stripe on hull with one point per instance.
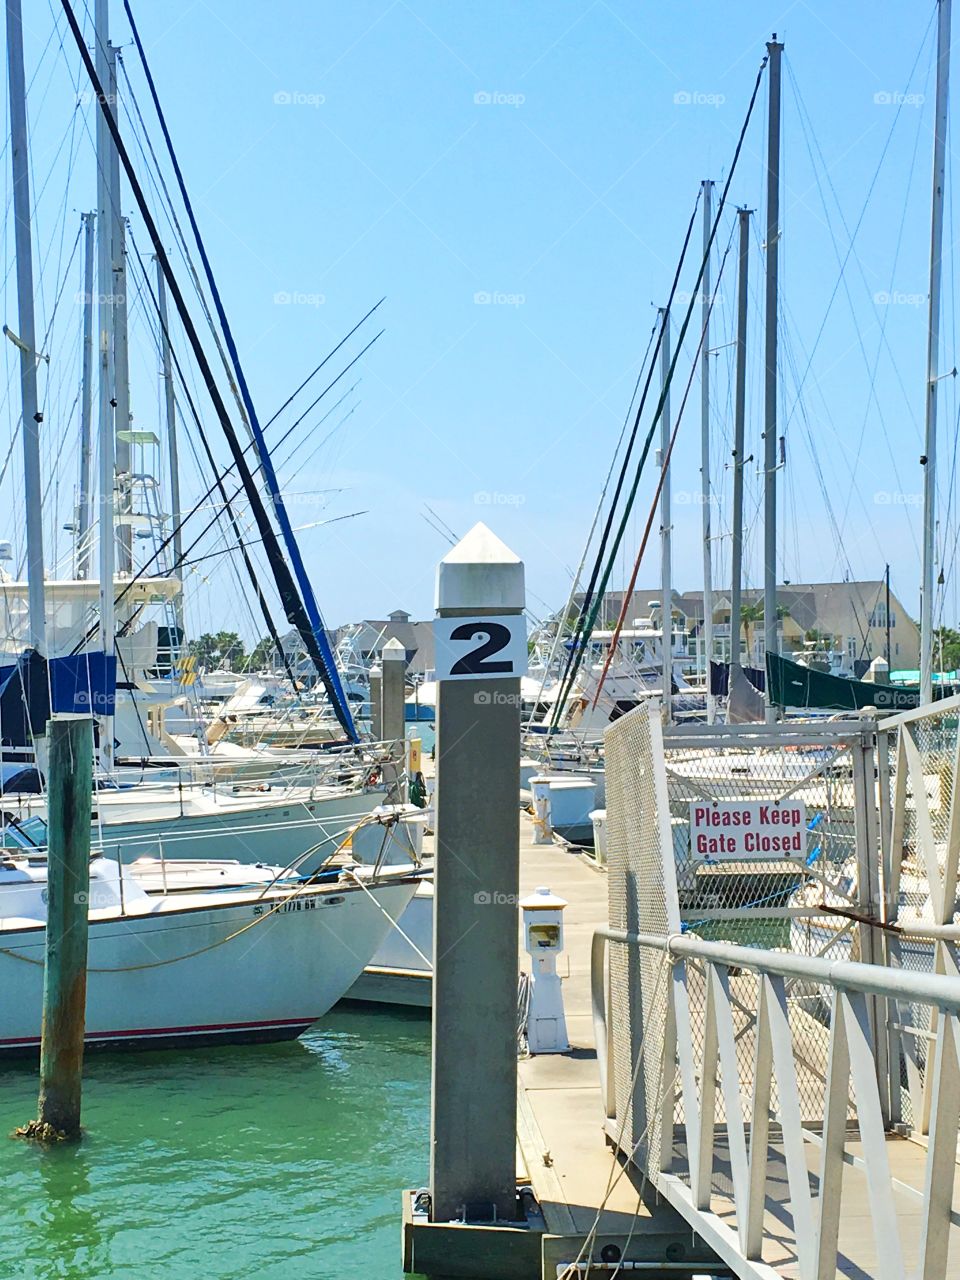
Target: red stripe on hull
point(155, 1037)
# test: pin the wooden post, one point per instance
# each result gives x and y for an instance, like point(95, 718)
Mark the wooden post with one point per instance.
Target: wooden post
point(69, 802)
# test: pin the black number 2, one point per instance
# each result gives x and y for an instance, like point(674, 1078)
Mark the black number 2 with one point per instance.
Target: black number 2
point(477, 663)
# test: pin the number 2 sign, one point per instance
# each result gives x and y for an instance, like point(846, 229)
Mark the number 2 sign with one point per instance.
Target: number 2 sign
point(480, 648)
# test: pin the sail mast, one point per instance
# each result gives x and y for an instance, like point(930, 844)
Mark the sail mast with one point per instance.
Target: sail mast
point(705, 495)
point(176, 515)
point(85, 494)
point(740, 402)
point(666, 586)
point(929, 459)
point(26, 339)
point(774, 49)
point(105, 421)
point(121, 357)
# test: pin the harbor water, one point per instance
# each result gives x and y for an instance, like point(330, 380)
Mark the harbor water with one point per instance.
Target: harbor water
point(272, 1161)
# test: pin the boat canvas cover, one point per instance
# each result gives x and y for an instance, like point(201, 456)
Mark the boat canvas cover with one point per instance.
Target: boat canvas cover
point(793, 685)
point(720, 678)
point(81, 684)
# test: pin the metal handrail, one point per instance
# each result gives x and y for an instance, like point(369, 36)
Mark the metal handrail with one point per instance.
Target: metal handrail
point(935, 989)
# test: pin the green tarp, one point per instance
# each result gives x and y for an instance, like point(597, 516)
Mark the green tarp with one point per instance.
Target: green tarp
point(792, 685)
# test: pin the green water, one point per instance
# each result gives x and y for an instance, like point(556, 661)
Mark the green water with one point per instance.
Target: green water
point(271, 1161)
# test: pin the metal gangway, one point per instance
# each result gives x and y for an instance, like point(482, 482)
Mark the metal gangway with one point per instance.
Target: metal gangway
point(779, 1038)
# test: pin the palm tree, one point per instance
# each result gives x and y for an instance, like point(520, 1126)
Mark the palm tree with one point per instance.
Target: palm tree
point(751, 614)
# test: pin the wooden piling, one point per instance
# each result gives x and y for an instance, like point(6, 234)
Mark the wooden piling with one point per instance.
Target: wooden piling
point(69, 802)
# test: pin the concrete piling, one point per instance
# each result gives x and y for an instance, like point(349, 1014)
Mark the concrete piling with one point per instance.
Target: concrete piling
point(474, 1093)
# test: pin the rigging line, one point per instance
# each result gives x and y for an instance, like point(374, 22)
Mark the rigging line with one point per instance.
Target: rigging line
point(873, 397)
point(225, 472)
point(852, 237)
point(580, 636)
point(181, 238)
point(881, 343)
point(252, 542)
point(191, 267)
point(666, 626)
point(310, 376)
point(300, 589)
point(572, 667)
point(563, 621)
point(56, 304)
point(248, 563)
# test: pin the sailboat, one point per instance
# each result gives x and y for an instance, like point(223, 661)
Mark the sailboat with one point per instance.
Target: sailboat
point(91, 662)
point(218, 953)
point(211, 953)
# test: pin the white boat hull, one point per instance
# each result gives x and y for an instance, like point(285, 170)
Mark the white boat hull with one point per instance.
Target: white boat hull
point(188, 975)
point(277, 832)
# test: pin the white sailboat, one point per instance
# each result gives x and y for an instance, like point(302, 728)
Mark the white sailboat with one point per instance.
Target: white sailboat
point(175, 960)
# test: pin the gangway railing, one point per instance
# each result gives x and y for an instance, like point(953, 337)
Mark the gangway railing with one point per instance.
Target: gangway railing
point(709, 1129)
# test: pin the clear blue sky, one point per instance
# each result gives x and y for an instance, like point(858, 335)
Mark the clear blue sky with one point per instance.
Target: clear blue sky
point(541, 154)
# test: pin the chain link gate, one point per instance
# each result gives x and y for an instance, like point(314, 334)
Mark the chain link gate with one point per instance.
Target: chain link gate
point(818, 902)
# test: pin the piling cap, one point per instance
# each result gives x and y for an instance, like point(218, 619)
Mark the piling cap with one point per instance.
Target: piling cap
point(542, 900)
point(480, 574)
point(392, 651)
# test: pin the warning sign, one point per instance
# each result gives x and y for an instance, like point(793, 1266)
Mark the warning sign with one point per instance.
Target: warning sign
point(739, 831)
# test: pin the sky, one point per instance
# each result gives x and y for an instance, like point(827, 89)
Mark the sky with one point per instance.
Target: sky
point(516, 182)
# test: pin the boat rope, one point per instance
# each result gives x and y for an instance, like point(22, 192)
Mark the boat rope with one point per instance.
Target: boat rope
point(617, 1166)
point(666, 625)
point(407, 939)
point(578, 651)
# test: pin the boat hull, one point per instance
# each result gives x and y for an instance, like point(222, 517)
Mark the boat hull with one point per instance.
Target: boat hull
point(276, 834)
point(260, 969)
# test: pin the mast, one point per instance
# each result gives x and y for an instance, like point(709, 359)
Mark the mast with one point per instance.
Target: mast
point(929, 459)
point(774, 50)
point(171, 409)
point(85, 496)
point(121, 359)
point(740, 403)
point(105, 420)
point(26, 339)
point(666, 586)
point(705, 495)
point(886, 579)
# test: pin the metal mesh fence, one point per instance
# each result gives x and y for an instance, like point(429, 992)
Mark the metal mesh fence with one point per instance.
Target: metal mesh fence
point(637, 903)
point(808, 900)
point(921, 766)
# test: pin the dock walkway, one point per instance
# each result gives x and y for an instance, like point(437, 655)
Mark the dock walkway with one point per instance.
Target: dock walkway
point(571, 1165)
point(560, 1111)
